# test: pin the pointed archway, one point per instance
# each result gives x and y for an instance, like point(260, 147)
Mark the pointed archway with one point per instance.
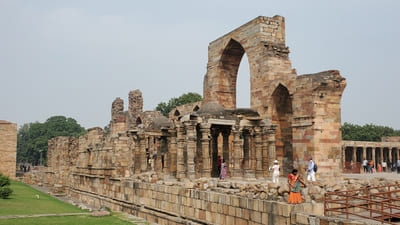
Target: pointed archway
point(281, 116)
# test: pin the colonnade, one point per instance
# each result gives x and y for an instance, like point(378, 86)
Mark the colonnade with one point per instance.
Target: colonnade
point(191, 149)
point(354, 152)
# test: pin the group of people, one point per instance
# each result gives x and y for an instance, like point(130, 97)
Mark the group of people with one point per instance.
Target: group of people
point(369, 166)
point(294, 180)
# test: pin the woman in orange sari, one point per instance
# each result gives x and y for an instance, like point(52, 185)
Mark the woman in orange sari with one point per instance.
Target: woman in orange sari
point(294, 187)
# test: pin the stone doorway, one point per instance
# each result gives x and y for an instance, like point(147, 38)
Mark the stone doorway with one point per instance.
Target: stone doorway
point(219, 147)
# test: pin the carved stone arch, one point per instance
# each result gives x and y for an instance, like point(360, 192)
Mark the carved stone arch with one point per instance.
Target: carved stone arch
point(282, 116)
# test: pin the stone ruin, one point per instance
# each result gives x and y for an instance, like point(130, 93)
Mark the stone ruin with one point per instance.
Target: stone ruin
point(166, 169)
point(8, 148)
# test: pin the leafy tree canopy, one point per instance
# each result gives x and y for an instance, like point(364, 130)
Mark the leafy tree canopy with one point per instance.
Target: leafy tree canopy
point(368, 132)
point(189, 97)
point(33, 137)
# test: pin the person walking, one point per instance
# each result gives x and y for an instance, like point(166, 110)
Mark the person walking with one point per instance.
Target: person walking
point(294, 181)
point(310, 170)
point(275, 172)
point(364, 164)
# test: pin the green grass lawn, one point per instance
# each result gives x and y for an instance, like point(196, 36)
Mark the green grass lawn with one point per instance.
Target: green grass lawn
point(23, 201)
point(65, 220)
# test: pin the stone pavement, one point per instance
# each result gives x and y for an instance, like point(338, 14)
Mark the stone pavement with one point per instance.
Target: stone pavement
point(366, 176)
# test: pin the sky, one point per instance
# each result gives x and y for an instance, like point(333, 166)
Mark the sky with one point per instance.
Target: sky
point(73, 58)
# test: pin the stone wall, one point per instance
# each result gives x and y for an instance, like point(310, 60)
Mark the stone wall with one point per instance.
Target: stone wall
point(305, 108)
point(8, 148)
point(172, 205)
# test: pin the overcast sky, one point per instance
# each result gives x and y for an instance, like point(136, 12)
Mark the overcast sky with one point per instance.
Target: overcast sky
point(73, 58)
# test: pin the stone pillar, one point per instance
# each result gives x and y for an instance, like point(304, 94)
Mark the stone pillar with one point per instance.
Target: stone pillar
point(265, 163)
point(157, 160)
point(180, 164)
point(381, 158)
point(271, 147)
point(258, 149)
point(171, 159)
point(237, 153)
point(142, 152)
point(354, 157)
point(214, 151)
point(364, 153)
point(248, 164)
point(205, 149)
point(225, 148)
point(190, 147)
point(373, 154)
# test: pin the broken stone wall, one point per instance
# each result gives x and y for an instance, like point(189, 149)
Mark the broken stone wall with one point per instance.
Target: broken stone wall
point(173, 205)
point(8, 148)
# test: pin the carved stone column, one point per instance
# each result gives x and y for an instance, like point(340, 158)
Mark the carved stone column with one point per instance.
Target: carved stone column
point(354, 157)
point(157, 162)
point(190, 147)
point(237, 153)
point(142, 152)
point(258, 149)
point(225, 148)
point(180, 164)
point(171, 159)
point(373, 154)
point(271, 146)
point(205, 148)
point(265, 163)
point(364, 153)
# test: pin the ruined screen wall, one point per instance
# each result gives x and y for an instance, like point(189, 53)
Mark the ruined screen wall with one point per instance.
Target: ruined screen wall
point(8, 148)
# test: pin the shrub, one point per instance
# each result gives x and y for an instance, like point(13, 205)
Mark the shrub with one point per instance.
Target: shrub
point(5, 192)
point(4, 180)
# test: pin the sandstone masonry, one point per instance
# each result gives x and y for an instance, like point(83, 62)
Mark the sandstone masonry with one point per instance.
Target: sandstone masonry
point(8, 148)
point(149, 165)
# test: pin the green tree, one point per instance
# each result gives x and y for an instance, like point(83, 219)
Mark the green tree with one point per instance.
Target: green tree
point(189, 97)
point(368, 132)
point(33, 137)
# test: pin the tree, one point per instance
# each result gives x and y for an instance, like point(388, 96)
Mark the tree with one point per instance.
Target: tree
point(189, 97)
point(33, 137)
point(368, 132)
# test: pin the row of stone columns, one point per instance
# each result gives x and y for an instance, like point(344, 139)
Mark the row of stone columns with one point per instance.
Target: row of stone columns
point(183, 159)
point(380, 158)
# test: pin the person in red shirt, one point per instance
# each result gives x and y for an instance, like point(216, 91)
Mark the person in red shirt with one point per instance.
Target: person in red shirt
point(294, 187)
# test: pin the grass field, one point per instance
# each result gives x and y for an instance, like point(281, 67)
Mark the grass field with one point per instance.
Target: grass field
point(24, 201)
point(65, 220)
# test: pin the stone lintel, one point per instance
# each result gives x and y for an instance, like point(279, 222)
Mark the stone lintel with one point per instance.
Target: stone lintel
point(222, 122)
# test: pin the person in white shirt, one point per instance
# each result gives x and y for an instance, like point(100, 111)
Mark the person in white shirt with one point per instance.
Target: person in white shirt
point(310, 170)
point(275, 172)
point(365, 163)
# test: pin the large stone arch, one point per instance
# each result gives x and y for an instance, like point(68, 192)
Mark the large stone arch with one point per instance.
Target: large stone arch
point(263, 40)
